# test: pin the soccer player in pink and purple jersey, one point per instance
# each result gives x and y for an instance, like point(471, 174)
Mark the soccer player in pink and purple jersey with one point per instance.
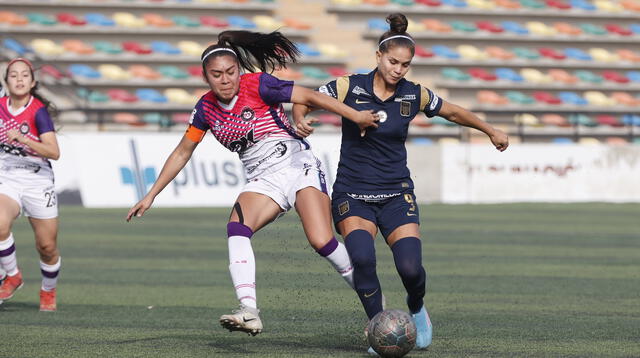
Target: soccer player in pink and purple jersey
point(244, 113)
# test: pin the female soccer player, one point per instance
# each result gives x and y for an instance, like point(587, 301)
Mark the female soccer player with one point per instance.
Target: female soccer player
point(373, 189)
point(28, 141)
point(245, 114)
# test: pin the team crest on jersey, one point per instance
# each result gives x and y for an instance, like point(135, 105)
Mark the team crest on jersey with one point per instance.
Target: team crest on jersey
point(247, 114)
point(24, 128)
point(405, 108)
point(343, 208)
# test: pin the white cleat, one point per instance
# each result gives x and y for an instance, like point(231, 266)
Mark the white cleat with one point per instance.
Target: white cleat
point(244, 319)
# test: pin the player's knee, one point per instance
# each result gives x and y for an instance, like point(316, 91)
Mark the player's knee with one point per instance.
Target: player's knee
point(47, 250)
point(360, 246)
point(5, 231)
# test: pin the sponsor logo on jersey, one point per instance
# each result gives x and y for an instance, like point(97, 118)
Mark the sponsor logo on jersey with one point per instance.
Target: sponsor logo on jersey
point(242, 143)
point(247, 114)
point(406, 97)
point(327, 90)
point(359, 101)
point(405, 108)
point(434, 102)
point(382, 115)
point(24, 128)
point(279, 151)
point(193, 115)
point(357, 90)
point(373, 197)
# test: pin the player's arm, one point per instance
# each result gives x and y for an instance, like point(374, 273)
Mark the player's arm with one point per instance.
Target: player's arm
point(309, 98)
point(461, 116)
point(47, 147)
point(174, 164)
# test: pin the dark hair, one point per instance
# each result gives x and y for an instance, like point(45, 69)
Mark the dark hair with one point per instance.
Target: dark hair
point(51, 108)
point(254, 50)
point(398, 24)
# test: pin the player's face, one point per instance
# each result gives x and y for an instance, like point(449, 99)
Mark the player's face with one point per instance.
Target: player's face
point(19, 79)
point(223, 76)
point(394, 64)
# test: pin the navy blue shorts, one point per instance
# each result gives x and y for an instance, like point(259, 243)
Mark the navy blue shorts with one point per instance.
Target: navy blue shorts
point(387, 214)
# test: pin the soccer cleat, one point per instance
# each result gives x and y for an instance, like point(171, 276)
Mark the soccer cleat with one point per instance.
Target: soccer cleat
point(48, 301)
point(372, 352)
point(10, 285)
point(423, 328)
point(245, 319)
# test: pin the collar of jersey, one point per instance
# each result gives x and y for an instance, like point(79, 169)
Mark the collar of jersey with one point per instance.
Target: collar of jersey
point(20, 110)
point(229, 106)
point(368, 86)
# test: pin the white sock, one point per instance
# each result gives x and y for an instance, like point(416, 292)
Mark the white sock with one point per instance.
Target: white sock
point(8, 258)
point(242, 265)
point(339, 259)
point(50, 275)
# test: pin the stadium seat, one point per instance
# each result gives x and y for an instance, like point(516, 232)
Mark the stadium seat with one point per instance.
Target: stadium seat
point(144, 71)
point(157, 118)
point(41, 19)
point(608, 120)
point(481, 4)
point(113, 72)
point(185, 21)
point(150, 95)
point(128, 20)
point(463, 26)
point(593, 29)
point(572, 98)
point(608, 6)
point(562, 76)
point(514, 27)
point(329, 119)
point(157, 20)
point(121, 95)
point(165, 48)
point(588, 76)
point(631, 120)
point(588, 141)
point(179, 95)
point(173, 72)
point(287, 73)
point(337, 71)
point(267, 22)
point(423, 52)
point(78, 47)
point(377, 24)
point(403, 2)
point(436, 25)
point(567, 29)
point(307, 50)
point(107, 47)
point(136, 47)
point(635, 27)
point(508, 4)
point(628, 55)
point(49, 70)
point(508, 74)
point(439, 121)
point(618, 30)
point(83, 70)
point(71, 19)
point(241, 22)
point(583, 5)
point(181, 117)
point(533, 4)
point(602, 55)
point(546, 97)
point(597, 98)
point(499, 53)
point(98, 19)
point(634, 76)
point(491, 97)
point(562, 140)
point(577, 54)
point(526, 53)
point(481, 73)
point(558, 4)
point(455, 74)
point(614, 141)
point(518, 97)
point(421, 140)
point(195, 70)
point(625, 99)
point(533, 75)
point(191, 48)
point(15, 46)
point(552, 53)
point(97, 97)
point(489, 26)
point(46, 47)
point(13, 19)
point(614, 76)
point(554, 119)
point(632, 5)
point(444, 51)
point(212, 21)
point(296, 24)
point(432, 3)
point(455, 3)
point(127, 118)
point(539, 28)
point(315, 73)
point(526, 119)
point(471, 52)
point(331, 50)
point(448, 141)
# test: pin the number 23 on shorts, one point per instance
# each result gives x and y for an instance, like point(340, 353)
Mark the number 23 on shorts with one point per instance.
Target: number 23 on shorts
point(412, 209)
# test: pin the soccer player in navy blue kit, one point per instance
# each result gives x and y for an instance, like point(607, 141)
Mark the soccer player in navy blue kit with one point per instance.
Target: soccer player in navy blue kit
point(373, 188)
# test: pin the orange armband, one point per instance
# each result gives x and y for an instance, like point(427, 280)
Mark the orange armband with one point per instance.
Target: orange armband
point(195, 134)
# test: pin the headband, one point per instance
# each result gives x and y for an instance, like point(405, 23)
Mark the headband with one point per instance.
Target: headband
point(21, 59)
point(216, 50)
point(396, 37)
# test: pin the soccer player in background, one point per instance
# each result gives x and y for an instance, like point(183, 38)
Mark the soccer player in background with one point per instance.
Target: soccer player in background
point(373, 188)
point(245, 114)
point(28, 141)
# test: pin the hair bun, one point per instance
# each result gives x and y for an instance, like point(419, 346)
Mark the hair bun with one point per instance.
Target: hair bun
point(398, 23)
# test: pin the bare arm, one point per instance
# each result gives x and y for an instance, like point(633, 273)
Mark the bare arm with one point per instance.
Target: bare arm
point(172, 166)
point(461, 116)
point(304, 98)
point(47, 147)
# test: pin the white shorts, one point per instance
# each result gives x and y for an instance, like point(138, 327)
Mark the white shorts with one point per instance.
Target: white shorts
point(34, 192)
point(283, 185)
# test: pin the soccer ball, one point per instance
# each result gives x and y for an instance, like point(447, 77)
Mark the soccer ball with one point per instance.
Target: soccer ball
point(392, 333)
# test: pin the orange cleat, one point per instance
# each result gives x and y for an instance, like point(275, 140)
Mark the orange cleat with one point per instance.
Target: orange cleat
point(48, 301)
point(10, 285)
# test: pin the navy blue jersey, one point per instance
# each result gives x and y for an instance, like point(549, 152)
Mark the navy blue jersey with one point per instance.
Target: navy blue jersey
point(376, 164)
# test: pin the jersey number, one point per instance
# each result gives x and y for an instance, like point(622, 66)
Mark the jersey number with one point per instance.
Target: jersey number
point(51, 198)
point(409, 199)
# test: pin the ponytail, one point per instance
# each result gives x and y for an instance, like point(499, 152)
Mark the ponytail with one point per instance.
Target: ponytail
point(254, 50)
point(397, 34)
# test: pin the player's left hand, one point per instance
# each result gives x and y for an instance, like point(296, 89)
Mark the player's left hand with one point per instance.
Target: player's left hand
point(499, 139)
point(303, 126)
point(13, 134)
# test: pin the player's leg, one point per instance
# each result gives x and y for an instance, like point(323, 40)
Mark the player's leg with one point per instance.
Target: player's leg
point(9, 211)
point(314, 208)
point(46, 234)
point(251, 212)
point(400, 227)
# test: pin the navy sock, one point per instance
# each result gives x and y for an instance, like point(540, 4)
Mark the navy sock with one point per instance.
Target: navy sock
point(362, 252)
point(407, 254)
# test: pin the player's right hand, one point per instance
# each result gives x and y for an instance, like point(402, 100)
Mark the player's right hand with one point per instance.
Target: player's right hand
point(366, 119)
point(140, 208)
point(303, 126)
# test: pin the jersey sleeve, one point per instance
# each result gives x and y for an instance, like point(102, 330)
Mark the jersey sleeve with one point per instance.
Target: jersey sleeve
point(430, 103)
point(44, 123)
point(198, 126)
point(337, 89)
point(274, 91)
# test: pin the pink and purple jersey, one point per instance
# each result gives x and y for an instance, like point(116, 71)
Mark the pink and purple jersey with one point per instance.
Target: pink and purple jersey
point(254, 114)
point(32, 120)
